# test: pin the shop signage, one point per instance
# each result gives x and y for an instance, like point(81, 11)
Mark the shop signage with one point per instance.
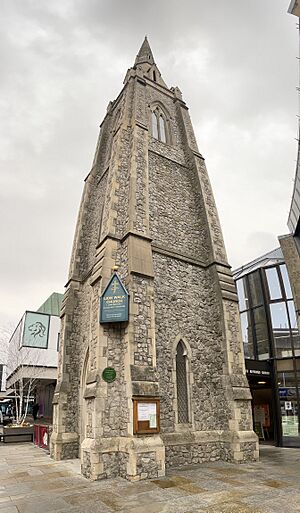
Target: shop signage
point(290, 425)
point(287, 392)
point(283, 392)
point(114, 302)
point(36, 330)
point(109, 374)
point(257, 372)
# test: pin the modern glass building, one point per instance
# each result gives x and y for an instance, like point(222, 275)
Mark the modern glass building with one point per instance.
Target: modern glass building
point(272, 347)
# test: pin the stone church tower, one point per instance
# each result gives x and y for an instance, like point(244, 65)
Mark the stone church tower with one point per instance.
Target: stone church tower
point(180, 395)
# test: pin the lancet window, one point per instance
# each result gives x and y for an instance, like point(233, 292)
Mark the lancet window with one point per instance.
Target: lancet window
point(159, 128)
point(181, 383)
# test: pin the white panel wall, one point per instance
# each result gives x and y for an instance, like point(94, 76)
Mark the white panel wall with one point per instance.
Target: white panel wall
point(18, 355)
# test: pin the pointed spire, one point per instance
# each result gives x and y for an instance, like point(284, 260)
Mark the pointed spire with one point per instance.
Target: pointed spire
point(145, 54)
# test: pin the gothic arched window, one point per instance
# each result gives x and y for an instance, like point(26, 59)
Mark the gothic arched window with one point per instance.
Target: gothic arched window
point(181, 384)
point(162, 129)
point(159, 126)
point(154, 126)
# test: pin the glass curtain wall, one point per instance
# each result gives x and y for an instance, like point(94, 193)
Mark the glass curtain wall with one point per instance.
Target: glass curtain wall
point(282, 312)
point(270, 331)
point(253, 316)
point(266, 304)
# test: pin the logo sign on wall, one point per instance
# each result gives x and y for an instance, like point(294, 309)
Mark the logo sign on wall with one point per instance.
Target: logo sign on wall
point(114, 302)
point(36, 329)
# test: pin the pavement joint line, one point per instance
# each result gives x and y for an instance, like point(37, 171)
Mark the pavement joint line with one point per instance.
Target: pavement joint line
point(208, 488)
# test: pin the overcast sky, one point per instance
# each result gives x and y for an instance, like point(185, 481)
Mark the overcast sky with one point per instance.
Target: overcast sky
point(62, 61)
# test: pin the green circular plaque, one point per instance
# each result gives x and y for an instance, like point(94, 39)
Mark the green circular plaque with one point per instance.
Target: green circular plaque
point(109, 374)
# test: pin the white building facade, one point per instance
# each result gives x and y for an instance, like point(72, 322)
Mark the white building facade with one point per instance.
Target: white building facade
point(32, 356)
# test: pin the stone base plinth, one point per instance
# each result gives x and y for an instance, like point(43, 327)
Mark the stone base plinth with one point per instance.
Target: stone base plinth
point(64, 446)
point(133, 458)
point(245, 447)
point(192, 448)
point(146, 457)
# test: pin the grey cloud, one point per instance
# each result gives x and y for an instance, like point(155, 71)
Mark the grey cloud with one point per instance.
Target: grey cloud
point(62, 62)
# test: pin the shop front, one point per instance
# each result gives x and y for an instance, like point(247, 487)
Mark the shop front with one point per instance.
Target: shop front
point(271, 340)
point(275, 390)
point(264, 411)
point(288, 381)
point(44, 413)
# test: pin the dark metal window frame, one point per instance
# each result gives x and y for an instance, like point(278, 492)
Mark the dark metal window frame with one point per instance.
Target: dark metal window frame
point(283, 299)
point(265, 304)
point(272, 347)
point(251, 308)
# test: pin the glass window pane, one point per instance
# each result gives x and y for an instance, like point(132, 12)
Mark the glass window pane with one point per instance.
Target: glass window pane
point(279, 316)
point(286, 281)
point(288, 402)
point(289, 418)
point(247, 335)
point(242, 294)
point(281, 330)
point(296, 344)
point(181, 379)
point(294, 327)
point(261, 333)
point(255, 288)
point(154, 126)
point(287, 380)
point(273, 283)
point(162, 129)
point(292, 314)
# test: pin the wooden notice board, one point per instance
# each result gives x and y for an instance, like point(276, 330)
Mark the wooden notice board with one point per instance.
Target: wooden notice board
point(146, 415)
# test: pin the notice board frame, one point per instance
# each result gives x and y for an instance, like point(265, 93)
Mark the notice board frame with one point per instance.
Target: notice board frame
point(141, 427)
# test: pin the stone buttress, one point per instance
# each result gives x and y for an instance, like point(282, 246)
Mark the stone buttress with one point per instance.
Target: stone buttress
point(148, 208)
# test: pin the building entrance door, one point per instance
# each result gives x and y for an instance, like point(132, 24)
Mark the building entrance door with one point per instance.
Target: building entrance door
point(263, 412)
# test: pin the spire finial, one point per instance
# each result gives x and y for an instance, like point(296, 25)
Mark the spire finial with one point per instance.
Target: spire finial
point(145, 54)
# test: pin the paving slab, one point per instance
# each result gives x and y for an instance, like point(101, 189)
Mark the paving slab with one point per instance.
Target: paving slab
point(30, 482)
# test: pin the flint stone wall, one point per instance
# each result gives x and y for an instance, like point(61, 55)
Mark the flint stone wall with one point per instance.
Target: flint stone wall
point(147, 466)
point(180, 455)
point(177, 218)
point(186, 306)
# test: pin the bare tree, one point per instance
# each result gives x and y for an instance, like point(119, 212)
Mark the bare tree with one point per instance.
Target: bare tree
point(24, 369)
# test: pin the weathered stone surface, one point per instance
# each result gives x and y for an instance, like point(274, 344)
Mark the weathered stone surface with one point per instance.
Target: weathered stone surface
point(148, 208)
point(32, 483)
point(291, 257)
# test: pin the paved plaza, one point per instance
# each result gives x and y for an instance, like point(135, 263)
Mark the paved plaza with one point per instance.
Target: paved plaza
point(31, 482)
